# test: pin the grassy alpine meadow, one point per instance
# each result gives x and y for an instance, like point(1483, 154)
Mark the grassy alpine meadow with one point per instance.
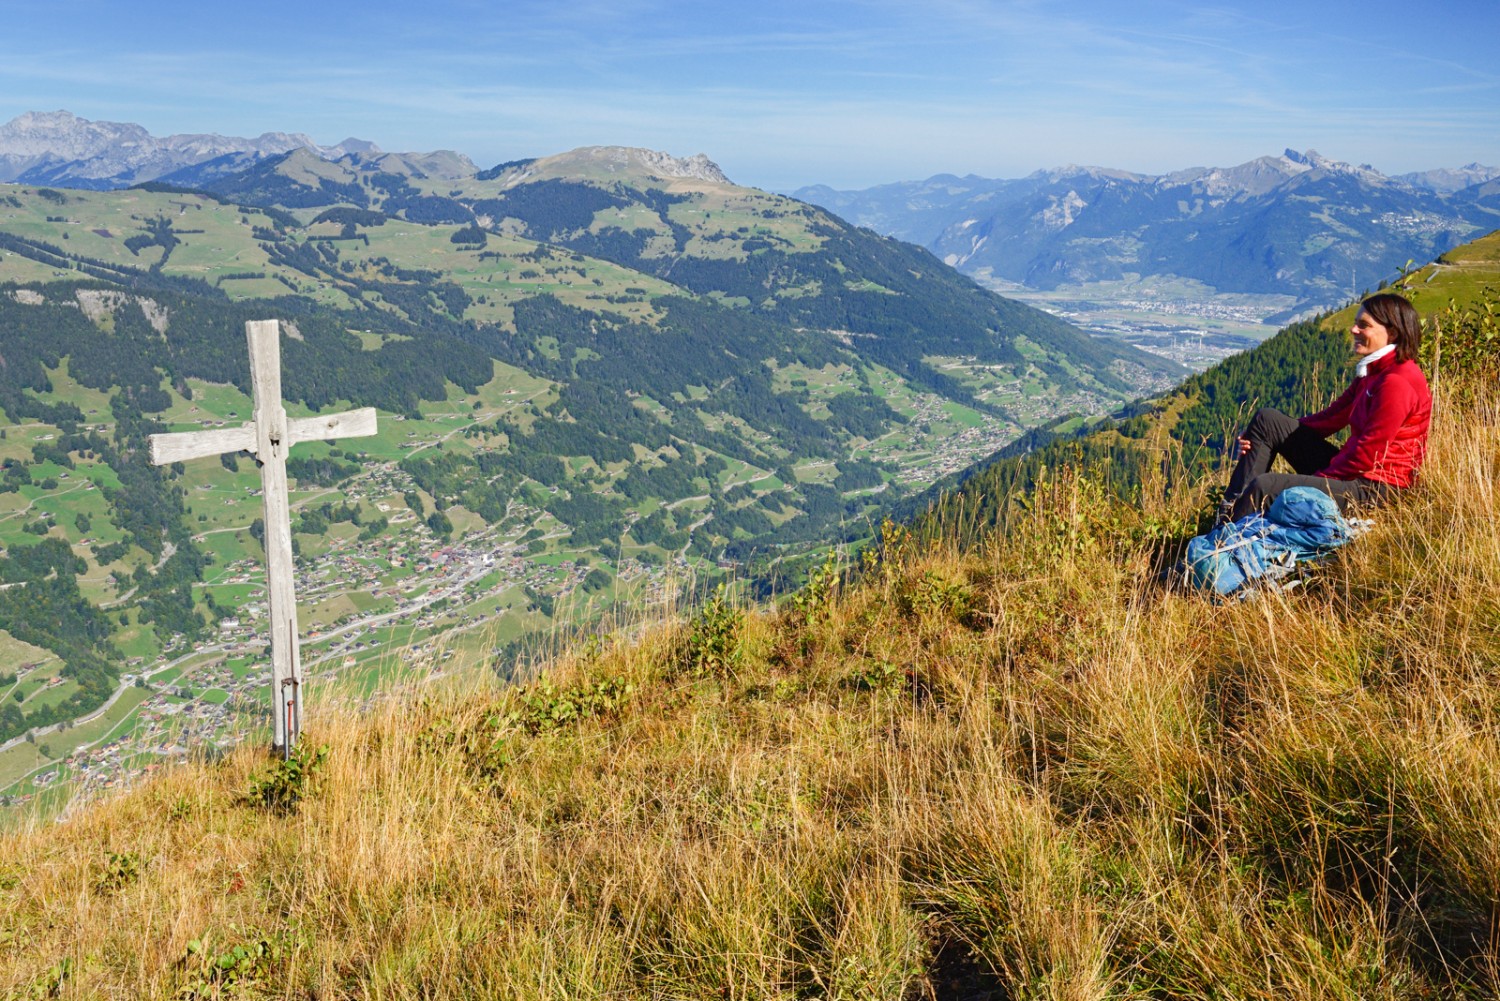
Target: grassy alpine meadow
point(1021, 771)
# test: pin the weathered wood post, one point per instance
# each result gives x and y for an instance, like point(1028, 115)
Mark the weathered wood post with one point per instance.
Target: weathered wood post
point(268, 437)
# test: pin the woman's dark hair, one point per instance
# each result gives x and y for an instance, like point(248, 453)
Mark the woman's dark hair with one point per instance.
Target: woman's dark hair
point(1400, 319)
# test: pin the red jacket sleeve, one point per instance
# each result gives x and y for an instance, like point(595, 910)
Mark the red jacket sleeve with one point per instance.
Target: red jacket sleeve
point(1336, 417)
point(1363, 452)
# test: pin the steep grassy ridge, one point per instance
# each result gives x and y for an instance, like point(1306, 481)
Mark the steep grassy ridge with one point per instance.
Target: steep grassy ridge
point(1020, 771)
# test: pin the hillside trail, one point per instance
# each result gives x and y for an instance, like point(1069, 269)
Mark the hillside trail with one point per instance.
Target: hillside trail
point(168, 550)
point(478, 420)
point(18, 512)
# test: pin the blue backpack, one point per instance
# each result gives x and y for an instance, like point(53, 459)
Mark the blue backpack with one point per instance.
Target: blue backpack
point(1302, 524)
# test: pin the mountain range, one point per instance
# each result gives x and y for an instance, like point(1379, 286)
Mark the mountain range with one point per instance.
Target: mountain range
point(1298, 223)
point(1011, 770)
point(600, 372)
point(60, 148)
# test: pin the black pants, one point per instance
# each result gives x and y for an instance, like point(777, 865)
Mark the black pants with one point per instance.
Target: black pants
point(1252, 487)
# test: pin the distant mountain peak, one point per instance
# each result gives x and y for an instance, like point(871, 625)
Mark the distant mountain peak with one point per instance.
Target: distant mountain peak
point(1450, 179)
point(63, 134)
point(353, 145)
point(1297, 222)
point(44, 121)
point(1077, 170)
point(1317, 161)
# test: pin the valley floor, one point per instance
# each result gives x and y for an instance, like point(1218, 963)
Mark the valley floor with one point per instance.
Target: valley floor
point(1186, 321)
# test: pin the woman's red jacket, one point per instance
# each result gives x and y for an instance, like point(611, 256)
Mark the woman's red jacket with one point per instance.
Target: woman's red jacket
point(1387, 412)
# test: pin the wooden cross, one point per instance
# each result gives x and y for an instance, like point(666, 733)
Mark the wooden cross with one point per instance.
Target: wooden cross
point(268, 437)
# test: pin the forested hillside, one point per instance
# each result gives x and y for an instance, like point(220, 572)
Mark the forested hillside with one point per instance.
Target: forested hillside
point(769, 255)
point(142, 535)
point(603, 384)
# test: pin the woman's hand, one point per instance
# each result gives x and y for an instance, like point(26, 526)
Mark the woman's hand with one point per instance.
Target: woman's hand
point(1242, 445)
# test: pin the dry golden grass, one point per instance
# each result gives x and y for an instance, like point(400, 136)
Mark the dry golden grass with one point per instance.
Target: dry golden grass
point(1021, 772)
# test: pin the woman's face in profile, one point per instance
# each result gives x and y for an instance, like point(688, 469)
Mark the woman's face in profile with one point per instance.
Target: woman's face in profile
point(1369, 335)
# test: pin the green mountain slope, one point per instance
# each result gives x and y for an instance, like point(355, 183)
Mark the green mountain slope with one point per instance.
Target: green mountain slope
point(689, 226)
point(599, 427)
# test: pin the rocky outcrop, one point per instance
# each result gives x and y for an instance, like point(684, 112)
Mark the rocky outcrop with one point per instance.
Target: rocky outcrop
point(697, 166)
point(97, 304)
point(626, 161)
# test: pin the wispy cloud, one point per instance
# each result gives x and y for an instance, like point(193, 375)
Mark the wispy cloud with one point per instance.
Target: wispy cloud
point(782, 92)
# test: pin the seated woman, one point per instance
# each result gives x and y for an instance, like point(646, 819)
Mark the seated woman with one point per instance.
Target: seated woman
point(1387, 409)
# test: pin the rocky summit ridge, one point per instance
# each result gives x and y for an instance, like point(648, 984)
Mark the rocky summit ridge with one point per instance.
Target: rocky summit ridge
point(622, 161)
point(59, 147)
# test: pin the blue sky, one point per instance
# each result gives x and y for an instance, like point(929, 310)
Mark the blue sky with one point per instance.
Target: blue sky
point(843, 92)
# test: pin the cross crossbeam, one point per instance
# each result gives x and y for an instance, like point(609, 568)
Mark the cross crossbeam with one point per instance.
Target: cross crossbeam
point(184, 445)
point(268, 437)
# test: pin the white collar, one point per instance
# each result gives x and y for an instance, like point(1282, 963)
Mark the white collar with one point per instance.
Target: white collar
point(1363, 368)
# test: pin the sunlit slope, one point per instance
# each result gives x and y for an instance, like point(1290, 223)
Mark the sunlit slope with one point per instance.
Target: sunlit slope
point(685, 223)
point(247, 254)
point(1021, 770)
point(1463, 277)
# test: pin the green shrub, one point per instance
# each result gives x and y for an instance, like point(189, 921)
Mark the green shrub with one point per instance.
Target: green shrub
point(288, 780)
point(714, 644)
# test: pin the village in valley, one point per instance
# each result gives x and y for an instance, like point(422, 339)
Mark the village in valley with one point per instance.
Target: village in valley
point(377, 608)
point(379, 612)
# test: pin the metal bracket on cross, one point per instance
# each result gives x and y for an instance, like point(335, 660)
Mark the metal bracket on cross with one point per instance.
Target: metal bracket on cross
point(268, 437)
